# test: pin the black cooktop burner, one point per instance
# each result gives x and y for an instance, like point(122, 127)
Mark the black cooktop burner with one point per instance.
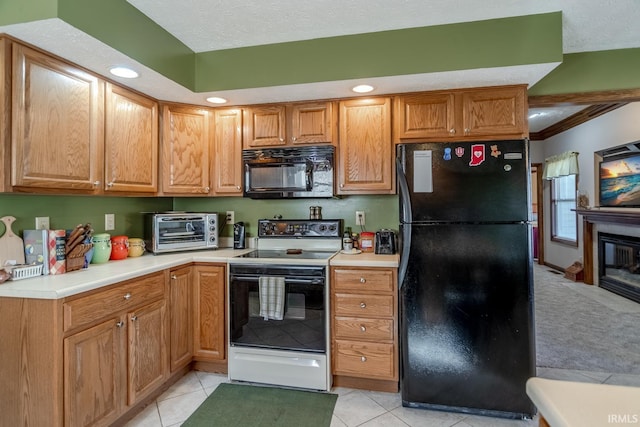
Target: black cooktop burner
point(288, 253)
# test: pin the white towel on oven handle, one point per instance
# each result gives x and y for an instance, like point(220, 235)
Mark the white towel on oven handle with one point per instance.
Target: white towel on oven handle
point(271, 290)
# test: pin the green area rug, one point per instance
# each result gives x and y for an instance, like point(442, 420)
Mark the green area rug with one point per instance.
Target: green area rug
point(244, 405)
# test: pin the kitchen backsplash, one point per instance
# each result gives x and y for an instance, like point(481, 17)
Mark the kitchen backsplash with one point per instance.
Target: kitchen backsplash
point(380, 211)
point(68, 211)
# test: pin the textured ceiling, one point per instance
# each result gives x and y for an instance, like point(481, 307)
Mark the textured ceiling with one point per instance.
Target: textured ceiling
point(210, 25)
point(206, 25)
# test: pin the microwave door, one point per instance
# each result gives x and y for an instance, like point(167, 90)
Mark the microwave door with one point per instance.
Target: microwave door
point(279, 177)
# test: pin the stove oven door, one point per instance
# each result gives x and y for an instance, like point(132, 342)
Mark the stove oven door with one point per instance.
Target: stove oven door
point(277, 307)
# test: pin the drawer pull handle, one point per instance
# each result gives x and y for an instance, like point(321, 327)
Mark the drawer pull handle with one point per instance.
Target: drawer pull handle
point(362, 328)
point(364, 359)
point(134, 318)
point(174, 277)
point(363, 280)
point(120, 324)
point(363, 305)
point(127, 296)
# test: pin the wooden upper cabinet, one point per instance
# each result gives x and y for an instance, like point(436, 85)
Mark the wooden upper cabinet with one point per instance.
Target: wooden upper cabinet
point(469, 114)
point(365, 149)
point(186, 147)
point(425, 115)
point(495, 112)
point(307, 123)
point(265, 126)
point(131, 142)
point(312, 123)
point(227, 158)
point(57, 124)
point(5, 115)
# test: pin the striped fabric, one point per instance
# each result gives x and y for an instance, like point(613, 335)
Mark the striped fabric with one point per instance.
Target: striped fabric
point(271, 297)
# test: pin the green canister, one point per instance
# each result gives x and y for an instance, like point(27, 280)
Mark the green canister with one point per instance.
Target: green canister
point(101, 248)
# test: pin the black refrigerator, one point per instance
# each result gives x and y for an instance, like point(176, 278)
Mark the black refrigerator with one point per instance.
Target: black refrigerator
point(465, 277)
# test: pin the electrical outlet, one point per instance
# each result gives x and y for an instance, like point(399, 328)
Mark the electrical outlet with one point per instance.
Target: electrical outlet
point(360, 218)
point(42, 223)
point(231, 217)
point(109, 222)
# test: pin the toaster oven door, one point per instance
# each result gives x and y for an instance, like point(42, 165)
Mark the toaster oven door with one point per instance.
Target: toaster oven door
point(181, 232)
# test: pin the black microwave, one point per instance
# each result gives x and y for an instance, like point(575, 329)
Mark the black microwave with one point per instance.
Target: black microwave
point(290, 172)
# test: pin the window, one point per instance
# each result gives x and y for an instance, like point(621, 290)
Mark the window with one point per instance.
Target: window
point(564, 219)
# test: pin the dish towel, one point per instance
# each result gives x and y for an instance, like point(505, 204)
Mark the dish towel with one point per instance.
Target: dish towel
point(271, 290)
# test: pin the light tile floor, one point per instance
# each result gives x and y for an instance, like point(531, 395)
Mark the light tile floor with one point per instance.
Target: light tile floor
point(354, 407)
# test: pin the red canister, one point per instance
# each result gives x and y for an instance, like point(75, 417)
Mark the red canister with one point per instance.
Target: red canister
point(366, 241)
point(119, 247)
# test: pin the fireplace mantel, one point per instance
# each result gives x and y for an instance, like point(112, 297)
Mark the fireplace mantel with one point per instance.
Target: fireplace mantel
point(600, 216)
point(608, 216)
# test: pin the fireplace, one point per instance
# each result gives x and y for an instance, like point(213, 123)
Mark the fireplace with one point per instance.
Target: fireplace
point(619, 264)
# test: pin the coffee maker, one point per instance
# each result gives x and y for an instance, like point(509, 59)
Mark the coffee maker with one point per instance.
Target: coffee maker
point(238, 235)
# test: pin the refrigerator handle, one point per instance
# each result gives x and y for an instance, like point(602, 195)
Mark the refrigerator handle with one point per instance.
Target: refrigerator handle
point(405, 199)
point(405, 220)
point(404, 253)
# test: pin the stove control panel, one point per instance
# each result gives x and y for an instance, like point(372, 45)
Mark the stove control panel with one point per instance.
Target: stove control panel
point(326, 228)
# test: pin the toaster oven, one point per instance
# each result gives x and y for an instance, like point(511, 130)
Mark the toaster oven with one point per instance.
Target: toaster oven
point(180, 231)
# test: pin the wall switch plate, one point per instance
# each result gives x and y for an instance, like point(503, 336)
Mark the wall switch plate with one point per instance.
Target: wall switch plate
point(231, 217)
point(42, 223)
point(360, 218)
point(109, 222)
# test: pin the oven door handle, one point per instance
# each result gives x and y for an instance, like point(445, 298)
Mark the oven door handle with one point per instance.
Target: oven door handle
point(287, 280)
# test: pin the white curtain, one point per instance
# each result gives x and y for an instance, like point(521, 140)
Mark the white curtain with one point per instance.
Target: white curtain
point(561, 165)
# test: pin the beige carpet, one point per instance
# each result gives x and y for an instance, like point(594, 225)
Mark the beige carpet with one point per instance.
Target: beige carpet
point(584, 327)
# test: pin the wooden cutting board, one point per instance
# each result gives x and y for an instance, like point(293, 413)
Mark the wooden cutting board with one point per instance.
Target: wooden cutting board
point(11, 247)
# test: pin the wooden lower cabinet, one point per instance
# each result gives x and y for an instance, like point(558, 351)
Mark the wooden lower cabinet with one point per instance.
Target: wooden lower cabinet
point(181, 317)
point(113, 365)
point(148, 361)
point(94, 369)
point(364, 327)
point(209, 313)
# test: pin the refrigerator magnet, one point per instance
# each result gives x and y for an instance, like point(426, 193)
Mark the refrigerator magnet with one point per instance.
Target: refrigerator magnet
point(477, 154)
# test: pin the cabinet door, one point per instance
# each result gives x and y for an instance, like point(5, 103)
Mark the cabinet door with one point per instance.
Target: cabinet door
point(227, 169)
point(209, 320)
point(365, 148)
point(131, 142)
point(5, 116)
point(312, 123)
point(93, 374)
point(425, 116)
point(264, 126)
point(148, 363)
point(180, 317)
point(186, 150)
point(57, 124)
point(499, 112)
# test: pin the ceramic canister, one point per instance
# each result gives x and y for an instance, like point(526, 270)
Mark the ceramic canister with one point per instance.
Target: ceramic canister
point(101, 248)
point(136, 247)
point(119, 247)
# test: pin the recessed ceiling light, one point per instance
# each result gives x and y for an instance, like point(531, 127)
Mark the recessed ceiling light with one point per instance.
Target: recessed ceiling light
point(124, 72)
point(216, 100)
point(362, 88)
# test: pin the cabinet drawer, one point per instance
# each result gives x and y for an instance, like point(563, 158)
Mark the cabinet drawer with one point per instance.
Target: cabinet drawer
point(363, 305)
point(370, 360)
point(363, 329)
point(365, 280)
point(126, 296)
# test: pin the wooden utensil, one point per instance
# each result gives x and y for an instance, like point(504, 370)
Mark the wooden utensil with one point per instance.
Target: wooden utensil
point(11, 247)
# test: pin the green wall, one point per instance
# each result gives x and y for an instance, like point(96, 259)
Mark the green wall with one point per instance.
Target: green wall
point(380, 211)
point(66, 212)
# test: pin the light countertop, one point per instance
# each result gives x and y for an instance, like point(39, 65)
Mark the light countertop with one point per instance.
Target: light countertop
point(99, 275)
